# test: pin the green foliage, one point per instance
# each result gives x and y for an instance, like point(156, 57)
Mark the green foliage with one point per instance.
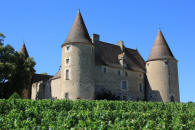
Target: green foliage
point(2, 35)
point(83, 114)
point(16, 71)
point(45, 73)
point(14, 96)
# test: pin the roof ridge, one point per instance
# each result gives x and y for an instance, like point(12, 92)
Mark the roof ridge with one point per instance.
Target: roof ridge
point(116, 45)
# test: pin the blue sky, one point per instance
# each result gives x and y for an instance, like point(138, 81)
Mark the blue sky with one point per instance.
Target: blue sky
point(45, 24)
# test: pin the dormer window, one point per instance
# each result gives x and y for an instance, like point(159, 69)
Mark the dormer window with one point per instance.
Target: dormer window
point(122, 60)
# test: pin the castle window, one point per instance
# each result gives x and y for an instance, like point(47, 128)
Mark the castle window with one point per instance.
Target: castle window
point(141, 88)
point(67, 74)
point(104, 70)
point(147, 64)
point(124, 85)
point(166, 62)
point(67, 48)
point(67, 61)
point(66, 95)
point(126, 74)
point(172, 99)
point(119, 72)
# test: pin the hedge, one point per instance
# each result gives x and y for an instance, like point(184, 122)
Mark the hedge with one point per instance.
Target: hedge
point(83, 114)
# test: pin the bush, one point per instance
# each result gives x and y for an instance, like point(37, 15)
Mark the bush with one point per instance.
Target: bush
point(83, 114)
point(15, 96)
point(106, 95)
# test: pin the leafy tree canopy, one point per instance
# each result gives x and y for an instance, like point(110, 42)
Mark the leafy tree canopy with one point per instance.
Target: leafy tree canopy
point(16, 70)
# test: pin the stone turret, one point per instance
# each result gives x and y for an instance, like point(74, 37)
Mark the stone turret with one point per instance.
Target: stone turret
point(162, 72)
point(26, 91)
point(78, 63)
point(23, 50)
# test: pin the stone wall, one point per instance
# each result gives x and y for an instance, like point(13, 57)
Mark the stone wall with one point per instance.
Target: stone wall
point(173, 81)
point(81, 71)
point(56, 89)
point(163, 80)
point(41, 90)
point(108, 78)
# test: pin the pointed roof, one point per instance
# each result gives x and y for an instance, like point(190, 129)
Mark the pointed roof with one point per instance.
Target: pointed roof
point(79, 32)
point(160, 49)
point(23, 50)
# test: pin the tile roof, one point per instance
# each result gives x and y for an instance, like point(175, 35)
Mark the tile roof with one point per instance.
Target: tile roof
point(160, 49)
point(24, 51)
point(40, 77)
point(79, 32)
point(57, 75)
point(107, 54)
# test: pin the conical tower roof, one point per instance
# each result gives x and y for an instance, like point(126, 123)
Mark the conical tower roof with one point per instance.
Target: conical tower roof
point(79, 32)
point(23, 50)
point(160, 49)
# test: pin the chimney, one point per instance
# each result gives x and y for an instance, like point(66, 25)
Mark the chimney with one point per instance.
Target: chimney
point(95, 38)
point(121, 44)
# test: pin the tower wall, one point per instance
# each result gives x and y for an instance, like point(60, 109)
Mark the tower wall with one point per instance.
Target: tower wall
point(163, 80)
point(81, 71)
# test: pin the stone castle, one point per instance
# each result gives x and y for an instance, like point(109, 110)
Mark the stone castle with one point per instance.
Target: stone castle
point(91, 67)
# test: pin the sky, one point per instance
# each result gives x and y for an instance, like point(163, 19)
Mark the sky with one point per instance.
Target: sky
point(44, 25)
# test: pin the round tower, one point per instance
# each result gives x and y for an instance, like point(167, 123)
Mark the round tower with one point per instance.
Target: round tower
point(78, 59)
point(162, 72)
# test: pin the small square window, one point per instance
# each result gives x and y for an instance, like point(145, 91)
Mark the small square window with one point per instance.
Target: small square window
point(124, 85)
point(126, 74)
point(119, 72)
point(67, 61)
point(166, 62)
point(66, 95)
point(104, 70)
point(68, 48)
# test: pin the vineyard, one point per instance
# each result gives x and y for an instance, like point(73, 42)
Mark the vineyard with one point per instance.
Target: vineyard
point(82, 114)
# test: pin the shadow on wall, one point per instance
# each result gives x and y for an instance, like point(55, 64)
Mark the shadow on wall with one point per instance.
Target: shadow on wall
point(105, 94)
point(152, 95)
point(44, 91)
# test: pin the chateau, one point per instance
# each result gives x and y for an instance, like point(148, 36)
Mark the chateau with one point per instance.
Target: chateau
point(91, 67)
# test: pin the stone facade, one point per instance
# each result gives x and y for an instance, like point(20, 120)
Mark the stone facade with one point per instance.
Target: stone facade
point(91, 67)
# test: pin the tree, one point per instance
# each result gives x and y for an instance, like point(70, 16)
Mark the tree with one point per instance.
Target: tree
point(2, 36)
point(16, 71)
